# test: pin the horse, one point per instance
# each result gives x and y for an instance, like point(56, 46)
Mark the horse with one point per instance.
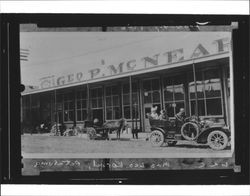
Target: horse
point(115, 125)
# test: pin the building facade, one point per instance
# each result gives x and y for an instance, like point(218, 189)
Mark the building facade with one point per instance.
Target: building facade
point(197, 80)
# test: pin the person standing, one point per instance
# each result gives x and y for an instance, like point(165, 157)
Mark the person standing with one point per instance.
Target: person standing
point(135, 133)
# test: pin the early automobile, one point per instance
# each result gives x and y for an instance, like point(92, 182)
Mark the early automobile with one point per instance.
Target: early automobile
point(202, 132)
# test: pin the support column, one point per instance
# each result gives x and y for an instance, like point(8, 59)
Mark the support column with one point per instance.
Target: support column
point(196, 96)
point(74, 109)
point(56, 115)
point(225, 95)
point(141, 106)
point(131, 101)
point(88, 103)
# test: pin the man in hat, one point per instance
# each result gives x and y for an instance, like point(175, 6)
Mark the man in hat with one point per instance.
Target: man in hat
point(180, 118)
point(154, 114)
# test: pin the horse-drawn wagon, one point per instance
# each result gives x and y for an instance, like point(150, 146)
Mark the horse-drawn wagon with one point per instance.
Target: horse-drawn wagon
point(95, 131)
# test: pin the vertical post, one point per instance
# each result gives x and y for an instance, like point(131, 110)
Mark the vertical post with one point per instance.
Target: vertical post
point(130, 99)
point(55, 109)
point(141, 107)
point(74, 107)
point(30, 116)
point(162, 96)
point(137, 108)
point(224, 85)
point(88, 102)
point(120, 99)
point(196, 97)
point(51, 109)
point(104, 103)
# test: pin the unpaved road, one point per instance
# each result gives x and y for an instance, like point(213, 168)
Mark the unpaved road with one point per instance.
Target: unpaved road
point(59, 144)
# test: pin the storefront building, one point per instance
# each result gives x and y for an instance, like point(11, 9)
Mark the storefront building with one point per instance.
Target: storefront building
point(196, 79)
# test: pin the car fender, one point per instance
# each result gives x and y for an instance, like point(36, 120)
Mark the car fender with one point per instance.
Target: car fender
point(157, 128)
point(202, 138)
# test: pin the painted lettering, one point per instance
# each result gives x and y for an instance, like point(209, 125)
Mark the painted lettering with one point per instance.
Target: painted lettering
point(79, 76)
point(47, 82)
point(222, 44)
point(131, 65)
point(116, 70)
point(70, 78)
point(151, 61)
point(199, 51)
point(53, 80)
point(175, 55)
point(94, 72)
point(61, 80)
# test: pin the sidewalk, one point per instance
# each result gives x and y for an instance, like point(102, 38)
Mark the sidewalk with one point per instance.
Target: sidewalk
point(141, 136)
point(113, 136)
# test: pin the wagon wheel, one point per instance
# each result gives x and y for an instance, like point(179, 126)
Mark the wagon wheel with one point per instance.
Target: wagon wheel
point(190, 131)
point(75, 131)
point(54, 131)
point(91, 133)
point(171, 143)
point(217, 140)
point(156, 138)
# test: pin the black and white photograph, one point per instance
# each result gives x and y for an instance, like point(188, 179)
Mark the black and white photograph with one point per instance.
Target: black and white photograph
point(126, 92)
point(138, 94)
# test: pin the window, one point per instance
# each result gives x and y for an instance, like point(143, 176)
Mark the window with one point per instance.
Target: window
point(112, 98)
point(209, 94)
point(151, 91)
point(45, 107)
point(96, 102)
point(174, 96)
point(81, 105)
point(96, 98)
point(26, 109)
point(68, 104)
point(151, 95)
point(126, 101)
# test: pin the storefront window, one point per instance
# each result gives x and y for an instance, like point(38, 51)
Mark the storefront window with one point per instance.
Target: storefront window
point(26, 109)
point(45, 107)
point(112, 98)
point(126, 101)
point(58, 108)
point(208, 93)
point(68, 104)
point(174, 94)
point(96, 102)
point(151, 95)
point(81, 105)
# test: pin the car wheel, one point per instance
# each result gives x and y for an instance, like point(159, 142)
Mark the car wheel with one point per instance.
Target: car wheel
point(190, 131)
point(172, 143)
point(217, 140)
point(156, 138)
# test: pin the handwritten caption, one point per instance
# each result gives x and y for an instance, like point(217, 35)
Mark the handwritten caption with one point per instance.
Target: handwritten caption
point(97, 164)
point(57, 163)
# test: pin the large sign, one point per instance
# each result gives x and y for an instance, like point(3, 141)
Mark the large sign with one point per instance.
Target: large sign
point(167, 57)
point(143, 63)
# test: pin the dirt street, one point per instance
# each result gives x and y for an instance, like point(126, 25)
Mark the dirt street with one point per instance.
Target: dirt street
point(59, 144)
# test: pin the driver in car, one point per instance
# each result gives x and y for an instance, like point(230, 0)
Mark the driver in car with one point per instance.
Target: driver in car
point(180, 117)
